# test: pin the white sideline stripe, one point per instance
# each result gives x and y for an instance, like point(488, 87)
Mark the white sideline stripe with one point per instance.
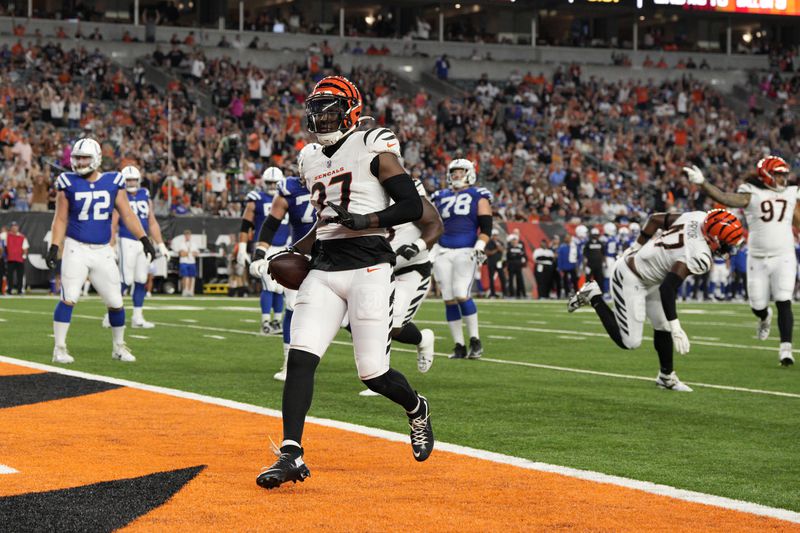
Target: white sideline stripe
point(138, 336)
point(597, 477)
point(491, 360)
point(571, 337)
point(218, 337)
point(7, 470)
point(501, 337)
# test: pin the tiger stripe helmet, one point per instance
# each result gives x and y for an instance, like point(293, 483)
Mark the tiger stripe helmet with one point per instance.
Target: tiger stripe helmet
point(773, 172)
point(333, 109)
point(723, 231)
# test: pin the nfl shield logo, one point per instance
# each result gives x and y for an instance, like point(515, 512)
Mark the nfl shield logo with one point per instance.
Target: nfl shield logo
point(328, 163)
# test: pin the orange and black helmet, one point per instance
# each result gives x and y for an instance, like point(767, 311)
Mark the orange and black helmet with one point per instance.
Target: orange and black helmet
point(723, 231)
point(773, 172)
point(333, 108)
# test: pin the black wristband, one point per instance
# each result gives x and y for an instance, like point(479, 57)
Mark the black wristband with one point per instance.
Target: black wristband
point(247, 225)
point(485, 224)
point(268, 229)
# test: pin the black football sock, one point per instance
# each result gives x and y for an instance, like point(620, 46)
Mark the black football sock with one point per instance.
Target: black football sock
point(408, 334)
point(760, 313)
point(394, 386)
point(785, 320)
point(608, 319)
point(297, 392)
point(662, 340)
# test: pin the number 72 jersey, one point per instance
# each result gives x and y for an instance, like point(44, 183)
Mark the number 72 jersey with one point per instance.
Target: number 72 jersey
point(769, 219)
point(459, 212)
point(90, 205)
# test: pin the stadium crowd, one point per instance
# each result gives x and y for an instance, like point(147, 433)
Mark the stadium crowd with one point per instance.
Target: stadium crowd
point(553, 148)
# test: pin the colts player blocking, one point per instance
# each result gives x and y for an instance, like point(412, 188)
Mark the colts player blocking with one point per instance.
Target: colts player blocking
point(353, 176)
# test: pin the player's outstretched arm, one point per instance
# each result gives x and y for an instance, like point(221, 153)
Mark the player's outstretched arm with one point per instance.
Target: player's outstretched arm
point(155, 231)
point(58, 230)
point(131, 222)
point(730, 199)
point(669, 294)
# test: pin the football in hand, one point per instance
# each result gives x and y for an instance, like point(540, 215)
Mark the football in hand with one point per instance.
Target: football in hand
point(289, 269)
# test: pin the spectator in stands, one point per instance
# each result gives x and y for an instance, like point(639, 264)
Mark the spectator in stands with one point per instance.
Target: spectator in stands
point(495, 251)
point(357, 49)
point(543, 268)
point(41, 191)
point(442, 67)
point(516, 259)
point(568, 264)
point(16, 250)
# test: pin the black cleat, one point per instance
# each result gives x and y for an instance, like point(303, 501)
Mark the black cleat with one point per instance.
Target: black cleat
point(275, 327)
point(421, 431)
point(288, 467)
point(459, 352)
point(475, 348)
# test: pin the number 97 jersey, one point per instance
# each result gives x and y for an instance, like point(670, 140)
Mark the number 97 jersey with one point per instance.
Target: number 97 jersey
point(769, 219)
point(459, 212)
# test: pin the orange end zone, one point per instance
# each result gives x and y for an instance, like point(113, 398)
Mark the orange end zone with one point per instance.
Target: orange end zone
point(357, 482)
point(14, 370)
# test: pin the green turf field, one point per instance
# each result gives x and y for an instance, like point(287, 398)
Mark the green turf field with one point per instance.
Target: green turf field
point(528, 397)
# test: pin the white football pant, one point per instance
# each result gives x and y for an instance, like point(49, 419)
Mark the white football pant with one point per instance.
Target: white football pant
point(95, 261)
point(133, 263)
point(770, 278)
point(455, 271)
point(634, 303)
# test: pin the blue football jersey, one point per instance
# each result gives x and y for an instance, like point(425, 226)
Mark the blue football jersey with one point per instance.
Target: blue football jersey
point(612, 247)
point(263, 203)
point(140, 203)
point(302, 214)
point(90, 205)
point(459, 212)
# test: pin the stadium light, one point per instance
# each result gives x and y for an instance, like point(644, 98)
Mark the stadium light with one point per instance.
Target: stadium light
point(369, 19)
point(747, 37)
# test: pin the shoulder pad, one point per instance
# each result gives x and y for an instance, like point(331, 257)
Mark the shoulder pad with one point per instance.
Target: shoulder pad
point(63, 182)
point(253, 196)
point(146, 193)
point(119, 179)
point(699, 263)
point(745, 188)
point(380, 140)
point(283, 187)
point(436, 194)
point(309, 150)
point(483, 192)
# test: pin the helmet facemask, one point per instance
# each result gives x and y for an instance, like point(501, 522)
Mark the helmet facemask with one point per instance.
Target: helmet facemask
point(328, 117)
point(457, 177)
point(132, 185)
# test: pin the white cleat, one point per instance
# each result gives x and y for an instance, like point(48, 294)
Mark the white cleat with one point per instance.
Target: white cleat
point(106, 323)
point(122, 353)
point(584, 296)
point(60, 355)
point(144, 324)
point(280, 376)
point(671, 382)
point(763, 326)
point(368, 393)
point(266, 329)
point(785, 355)
point(425, 351)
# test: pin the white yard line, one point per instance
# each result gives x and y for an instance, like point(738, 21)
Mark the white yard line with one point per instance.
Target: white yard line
point(217, 337)
point(597, 477)
point(573, 335)
point(6, 470)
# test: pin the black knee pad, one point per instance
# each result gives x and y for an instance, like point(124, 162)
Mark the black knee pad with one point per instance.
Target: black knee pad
point(300, 362)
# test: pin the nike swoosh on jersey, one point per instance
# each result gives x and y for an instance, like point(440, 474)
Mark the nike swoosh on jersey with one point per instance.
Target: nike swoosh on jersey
point(389, 145)
point(373, 269)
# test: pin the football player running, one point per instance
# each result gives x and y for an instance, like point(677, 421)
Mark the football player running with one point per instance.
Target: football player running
point(412, 275)
point(134, 265)
point(352, 175)
point(467, 214)
point(257, 210)
point(769, 205)
point(294, 199)
point(81, 231)
point(646, 279)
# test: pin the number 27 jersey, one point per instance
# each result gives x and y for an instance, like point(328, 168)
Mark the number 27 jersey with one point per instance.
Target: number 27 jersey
point(459, 212)
point(90, 205)
point(769, 219)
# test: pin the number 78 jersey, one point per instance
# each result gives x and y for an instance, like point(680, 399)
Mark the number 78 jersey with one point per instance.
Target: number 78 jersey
point(459, 212)
point(769, 219)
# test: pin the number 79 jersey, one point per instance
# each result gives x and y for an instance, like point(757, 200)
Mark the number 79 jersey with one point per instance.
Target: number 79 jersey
point(459, 211)
point(769, 219)
point(683, 241)
point(140, 203)
point(90, 205)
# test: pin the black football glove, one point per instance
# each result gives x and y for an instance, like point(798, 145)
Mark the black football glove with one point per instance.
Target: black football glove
point(52, 257)
point(148, 248)
point(347, 219)
point(408, 251)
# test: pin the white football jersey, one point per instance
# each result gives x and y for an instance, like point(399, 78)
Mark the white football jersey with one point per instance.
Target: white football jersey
point(683, 241)
point(346, 179)
point(406, 234)
point(769, 219)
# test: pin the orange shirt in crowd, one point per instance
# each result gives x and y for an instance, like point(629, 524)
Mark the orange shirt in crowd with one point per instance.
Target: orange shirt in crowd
point(19, 30)
point(253, 142)
point(681, 137)
point(642, 95)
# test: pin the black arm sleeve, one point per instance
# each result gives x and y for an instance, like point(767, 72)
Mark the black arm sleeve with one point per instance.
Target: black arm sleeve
point(268, 229)
point(407, 205)
point(246, 226)
point(669, 292)
point(485, 223)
